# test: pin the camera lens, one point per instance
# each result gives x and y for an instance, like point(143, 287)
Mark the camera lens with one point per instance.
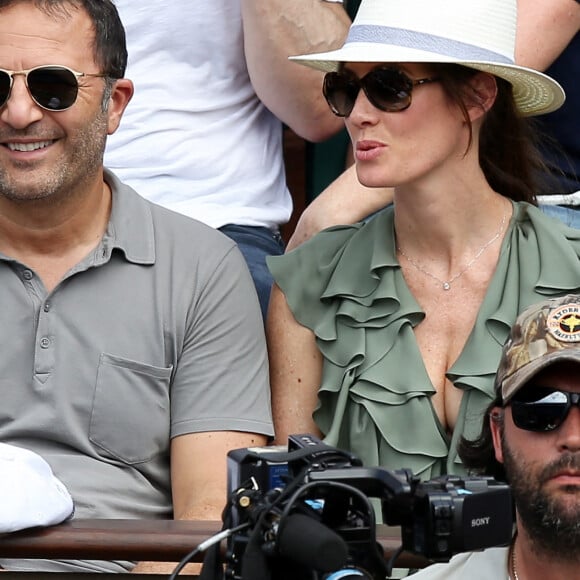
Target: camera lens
point(348, 574)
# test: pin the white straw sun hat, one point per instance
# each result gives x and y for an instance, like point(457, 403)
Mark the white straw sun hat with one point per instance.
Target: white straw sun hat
point(479, 34)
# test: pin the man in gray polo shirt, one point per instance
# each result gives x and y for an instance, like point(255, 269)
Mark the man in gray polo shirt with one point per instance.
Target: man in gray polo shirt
point(132, 338)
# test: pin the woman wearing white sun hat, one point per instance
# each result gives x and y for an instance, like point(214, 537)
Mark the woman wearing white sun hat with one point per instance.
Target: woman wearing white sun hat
point(547, 39)
point(385, 337)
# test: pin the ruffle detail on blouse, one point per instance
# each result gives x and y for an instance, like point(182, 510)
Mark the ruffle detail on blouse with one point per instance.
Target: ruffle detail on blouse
point(347, 287)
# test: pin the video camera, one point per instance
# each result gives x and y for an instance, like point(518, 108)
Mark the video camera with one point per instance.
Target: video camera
point(306, 513)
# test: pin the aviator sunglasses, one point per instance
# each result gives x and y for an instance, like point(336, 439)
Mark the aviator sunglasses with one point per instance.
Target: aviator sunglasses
point(387, 88)
point(542, 409)
point(52, 87)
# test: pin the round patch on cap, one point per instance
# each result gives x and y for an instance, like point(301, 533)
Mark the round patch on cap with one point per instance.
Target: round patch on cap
point(564, 323)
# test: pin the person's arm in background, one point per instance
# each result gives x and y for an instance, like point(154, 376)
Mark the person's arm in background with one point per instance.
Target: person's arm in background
point(273, 30)
point(344, 201)
point(277, 29)
point(545, 28)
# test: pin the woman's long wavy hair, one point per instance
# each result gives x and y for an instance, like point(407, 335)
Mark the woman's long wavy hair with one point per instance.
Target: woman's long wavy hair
point(508, 144)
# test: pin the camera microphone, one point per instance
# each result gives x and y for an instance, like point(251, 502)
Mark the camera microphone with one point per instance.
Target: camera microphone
point(306, 541)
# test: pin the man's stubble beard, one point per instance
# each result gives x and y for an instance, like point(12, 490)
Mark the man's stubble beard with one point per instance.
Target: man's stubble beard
point(83, 160)
point(552, 524)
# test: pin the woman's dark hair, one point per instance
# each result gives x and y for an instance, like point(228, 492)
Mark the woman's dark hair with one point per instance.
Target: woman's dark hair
point(109, 46)
point(509, 143)
point(478, 455)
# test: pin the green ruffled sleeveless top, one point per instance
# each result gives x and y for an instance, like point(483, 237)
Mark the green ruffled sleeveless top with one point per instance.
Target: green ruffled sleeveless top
point(346, 285)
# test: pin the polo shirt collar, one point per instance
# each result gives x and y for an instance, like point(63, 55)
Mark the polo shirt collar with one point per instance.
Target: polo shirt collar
point(130, 226)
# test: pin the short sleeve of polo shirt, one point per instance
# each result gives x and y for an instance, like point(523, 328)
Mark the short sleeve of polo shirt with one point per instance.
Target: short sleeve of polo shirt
point(221, 379)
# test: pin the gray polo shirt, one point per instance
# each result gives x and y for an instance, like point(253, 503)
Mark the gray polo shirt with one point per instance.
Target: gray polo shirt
point(155, 334)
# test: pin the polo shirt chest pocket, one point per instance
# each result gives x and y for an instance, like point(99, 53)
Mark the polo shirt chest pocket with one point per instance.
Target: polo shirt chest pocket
point(130, 416)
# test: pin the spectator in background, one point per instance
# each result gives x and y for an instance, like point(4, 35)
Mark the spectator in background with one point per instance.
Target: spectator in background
point(385, 336)
point(547, 35)
point(531, 437)
point(203, 134)
point(132, 354)
point(562, 148)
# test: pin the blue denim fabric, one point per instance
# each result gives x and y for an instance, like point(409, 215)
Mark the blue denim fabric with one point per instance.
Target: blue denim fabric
point(570, 216)
point(256, 243)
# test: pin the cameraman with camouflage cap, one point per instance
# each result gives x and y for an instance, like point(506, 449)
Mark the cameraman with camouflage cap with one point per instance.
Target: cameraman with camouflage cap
point(532, 439)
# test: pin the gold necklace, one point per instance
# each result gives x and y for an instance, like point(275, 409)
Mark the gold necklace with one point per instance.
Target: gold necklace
point(446, 284)
point(514, 570)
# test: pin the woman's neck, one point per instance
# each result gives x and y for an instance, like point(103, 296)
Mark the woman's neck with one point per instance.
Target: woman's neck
point(451, 219)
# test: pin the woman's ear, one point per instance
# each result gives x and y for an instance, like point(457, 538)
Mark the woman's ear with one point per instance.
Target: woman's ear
point(483, 94)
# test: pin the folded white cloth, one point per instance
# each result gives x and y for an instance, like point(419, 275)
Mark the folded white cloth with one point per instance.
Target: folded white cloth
point(560, 198)
point(30, 494)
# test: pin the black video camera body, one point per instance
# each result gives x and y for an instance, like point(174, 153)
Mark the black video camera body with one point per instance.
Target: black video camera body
point(307, 513)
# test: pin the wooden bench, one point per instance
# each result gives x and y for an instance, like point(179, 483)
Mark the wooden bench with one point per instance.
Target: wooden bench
point(155, 540)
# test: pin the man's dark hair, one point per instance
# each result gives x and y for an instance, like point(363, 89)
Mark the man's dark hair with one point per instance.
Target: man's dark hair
point(478, 456)
point(109, 45)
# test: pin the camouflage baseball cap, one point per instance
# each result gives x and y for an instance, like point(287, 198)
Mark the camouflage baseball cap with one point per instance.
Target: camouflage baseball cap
point(543, 334)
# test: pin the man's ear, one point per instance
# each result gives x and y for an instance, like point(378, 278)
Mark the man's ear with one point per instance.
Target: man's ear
point(120, 96)
point(483, 94)
point(496, 418)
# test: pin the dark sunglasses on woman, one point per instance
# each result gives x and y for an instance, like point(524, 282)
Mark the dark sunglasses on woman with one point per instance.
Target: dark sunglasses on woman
point(52, 87)
point(387, 88)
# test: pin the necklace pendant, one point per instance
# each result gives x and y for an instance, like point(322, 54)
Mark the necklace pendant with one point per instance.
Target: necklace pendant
point(446, 286)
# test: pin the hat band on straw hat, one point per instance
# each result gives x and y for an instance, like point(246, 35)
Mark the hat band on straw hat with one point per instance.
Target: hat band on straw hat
point(477, 34)
point(422, 41)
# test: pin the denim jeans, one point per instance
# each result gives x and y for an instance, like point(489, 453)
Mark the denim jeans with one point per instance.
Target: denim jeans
point(256, 243)
point(570, 216)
